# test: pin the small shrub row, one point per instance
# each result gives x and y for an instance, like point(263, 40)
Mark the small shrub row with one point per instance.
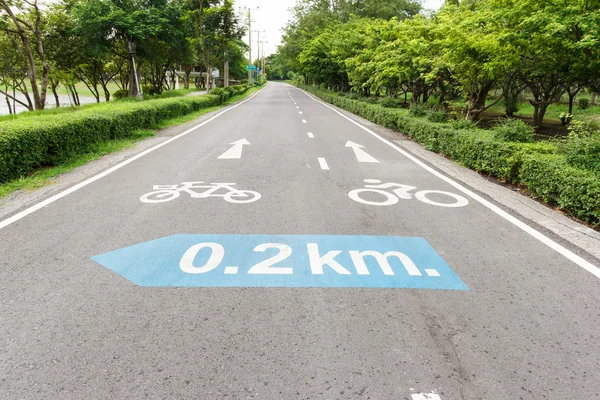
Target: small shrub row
point(30, 143)
point(228, 92)
point(505, 153)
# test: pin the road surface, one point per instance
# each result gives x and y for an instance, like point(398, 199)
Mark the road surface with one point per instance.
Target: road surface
point(281, 251)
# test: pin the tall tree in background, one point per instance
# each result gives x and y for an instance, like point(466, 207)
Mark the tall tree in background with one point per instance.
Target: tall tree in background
point(22, 22)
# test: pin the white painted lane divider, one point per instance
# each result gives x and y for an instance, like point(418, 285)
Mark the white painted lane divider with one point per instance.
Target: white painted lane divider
point(426, 396)
point(361, 155)
point(323, 164)
point(304, 121)
point(300, 112)
point(588, 266)
point(236, 151)
point(310, 135)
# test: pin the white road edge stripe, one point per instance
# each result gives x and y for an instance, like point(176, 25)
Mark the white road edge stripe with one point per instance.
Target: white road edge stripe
point(323, 164)
point(50, 200)
point(588, 266)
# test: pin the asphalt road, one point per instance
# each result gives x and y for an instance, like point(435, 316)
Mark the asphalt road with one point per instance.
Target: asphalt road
point(108, 291)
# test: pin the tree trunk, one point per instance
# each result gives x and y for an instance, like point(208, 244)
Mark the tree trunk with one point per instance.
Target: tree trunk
point(594, 100)
point(56, 98)
point(10, 110)
point(571, 101)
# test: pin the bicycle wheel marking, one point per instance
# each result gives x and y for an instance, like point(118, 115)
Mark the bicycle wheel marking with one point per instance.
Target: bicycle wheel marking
point(393, 193)
point(200, 190)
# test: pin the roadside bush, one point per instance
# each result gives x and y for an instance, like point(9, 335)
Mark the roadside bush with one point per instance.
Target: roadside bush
point(389, 102)
point(30, 143)
point(418, 110)
point(513, 130)
point(582, 147)
point(221, 92)
point(437, 116)
point(571, 189)
point(463, 124)
point(583, 103)
point(120, 94)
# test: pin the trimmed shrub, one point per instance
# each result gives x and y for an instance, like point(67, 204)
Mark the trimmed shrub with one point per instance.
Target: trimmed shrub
point(30, 143)
point(571, 189)
point(418, 110)
point(513, 130)
point(437, 116)
point(120, 94)
point(389, 102)
point(582, 147)
point(583, 103)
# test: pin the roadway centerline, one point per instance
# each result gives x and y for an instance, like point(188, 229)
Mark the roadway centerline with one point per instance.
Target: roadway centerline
point(323, 164)
point(304, 121)
point(310, 135)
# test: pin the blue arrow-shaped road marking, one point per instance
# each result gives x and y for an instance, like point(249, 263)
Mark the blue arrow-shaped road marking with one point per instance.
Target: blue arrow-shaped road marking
point(284, 261)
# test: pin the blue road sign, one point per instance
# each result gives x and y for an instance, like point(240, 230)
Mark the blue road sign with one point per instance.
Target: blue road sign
point(284, 261)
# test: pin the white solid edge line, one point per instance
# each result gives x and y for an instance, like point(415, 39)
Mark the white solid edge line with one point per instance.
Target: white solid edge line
point(34, 208)
point(588, 266)
point(323, 163)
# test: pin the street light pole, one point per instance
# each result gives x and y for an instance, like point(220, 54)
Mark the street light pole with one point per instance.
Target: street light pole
point(249, 10)
point(258, 43)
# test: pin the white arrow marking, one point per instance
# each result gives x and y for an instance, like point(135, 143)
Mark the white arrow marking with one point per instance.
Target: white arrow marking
point(235, 151)
point(361, 155)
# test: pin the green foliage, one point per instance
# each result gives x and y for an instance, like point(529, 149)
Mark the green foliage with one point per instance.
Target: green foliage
point(389, 102)
point(583, 103)
point(30, 143)
point(418, 110)
point(513, 130)
point(120, 94)
point(463, 124)
point(556, 182)
point(582, 147)
point(538, 166)
point(437, 116)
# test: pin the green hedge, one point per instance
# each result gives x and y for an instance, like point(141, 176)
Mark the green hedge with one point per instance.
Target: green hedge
point(30, 143)
point(537, 166)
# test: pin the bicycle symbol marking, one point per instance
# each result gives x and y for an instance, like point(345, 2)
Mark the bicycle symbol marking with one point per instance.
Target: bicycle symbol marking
point(402, 192)
point(164, 193)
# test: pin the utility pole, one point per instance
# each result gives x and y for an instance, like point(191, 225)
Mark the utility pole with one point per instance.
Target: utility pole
point(249, 10)
point(258, 42)
point(263, 55)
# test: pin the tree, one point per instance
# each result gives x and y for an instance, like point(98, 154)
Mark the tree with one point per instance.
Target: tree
point(22, 22)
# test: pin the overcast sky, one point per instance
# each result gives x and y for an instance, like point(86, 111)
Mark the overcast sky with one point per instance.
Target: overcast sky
point(273, 15)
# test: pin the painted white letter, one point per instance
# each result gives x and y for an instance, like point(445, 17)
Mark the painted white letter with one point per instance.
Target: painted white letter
point(317, 262)
point(384, 264)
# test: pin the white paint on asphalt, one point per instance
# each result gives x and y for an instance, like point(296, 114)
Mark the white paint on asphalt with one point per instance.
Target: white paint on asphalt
point(323, 164)
point(50, 200)
point(426, 396)
point(200, 190)
point(236, 151)
point(304, 121)
point(300, 112)
point(588, 266)
point(432, 272)
point(361, 155)
point(310, 135)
